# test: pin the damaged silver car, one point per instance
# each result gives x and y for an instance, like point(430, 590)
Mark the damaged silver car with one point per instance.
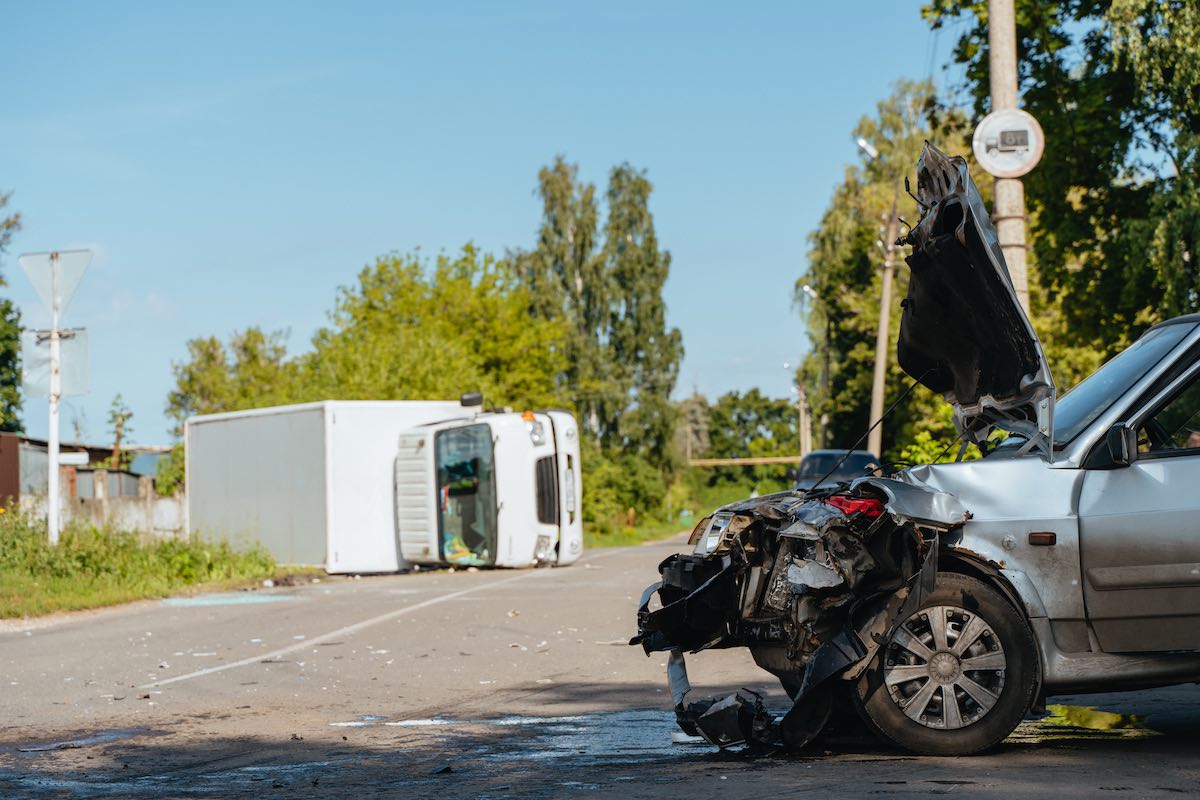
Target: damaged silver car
point(944, 602)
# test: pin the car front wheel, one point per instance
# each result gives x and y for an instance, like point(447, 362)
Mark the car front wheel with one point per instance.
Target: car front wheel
point(956, 677)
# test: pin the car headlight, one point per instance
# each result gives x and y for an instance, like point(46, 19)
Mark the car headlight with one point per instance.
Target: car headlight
point(710, 539)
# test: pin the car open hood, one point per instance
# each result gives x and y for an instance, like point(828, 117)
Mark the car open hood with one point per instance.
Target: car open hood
point(963, 333)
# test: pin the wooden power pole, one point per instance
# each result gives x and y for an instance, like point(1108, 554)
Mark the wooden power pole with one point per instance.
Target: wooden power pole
point(882, 340)
point(1009, 207)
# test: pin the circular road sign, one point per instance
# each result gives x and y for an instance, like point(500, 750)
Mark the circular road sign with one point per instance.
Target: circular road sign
point(1009, 143)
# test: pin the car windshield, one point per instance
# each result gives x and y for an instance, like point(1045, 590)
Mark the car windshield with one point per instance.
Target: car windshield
point(816, 465)
point(1082, 405)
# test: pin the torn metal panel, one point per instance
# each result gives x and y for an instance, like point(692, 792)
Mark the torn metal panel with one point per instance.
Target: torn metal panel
point(698, 598)
point(910, 501)
point(810, 584)
point(740, 717)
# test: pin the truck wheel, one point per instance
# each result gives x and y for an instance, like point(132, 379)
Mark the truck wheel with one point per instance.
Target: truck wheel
point(956, 677)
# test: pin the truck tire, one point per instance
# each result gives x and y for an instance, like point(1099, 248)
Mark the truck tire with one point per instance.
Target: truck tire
point(956, 677)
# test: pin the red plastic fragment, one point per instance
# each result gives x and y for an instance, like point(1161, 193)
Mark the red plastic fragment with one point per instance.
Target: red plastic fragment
point(871, 507)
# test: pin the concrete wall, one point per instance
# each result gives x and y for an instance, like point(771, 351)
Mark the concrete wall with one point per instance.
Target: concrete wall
point(149, 513)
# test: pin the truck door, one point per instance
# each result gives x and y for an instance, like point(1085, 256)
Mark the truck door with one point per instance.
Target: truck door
point(1140, 530)
point(466, 495)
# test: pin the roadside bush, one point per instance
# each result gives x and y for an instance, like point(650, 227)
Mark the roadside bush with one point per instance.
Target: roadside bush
point(168, 477)
point(614, 484)
point(100, 566)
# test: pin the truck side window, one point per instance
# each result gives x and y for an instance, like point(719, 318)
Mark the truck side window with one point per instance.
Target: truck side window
point(1175, 426)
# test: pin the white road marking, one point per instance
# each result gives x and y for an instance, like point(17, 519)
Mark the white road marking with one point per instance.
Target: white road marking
point(340, 632)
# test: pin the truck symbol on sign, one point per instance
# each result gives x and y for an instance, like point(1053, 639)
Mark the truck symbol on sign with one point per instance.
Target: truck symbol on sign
point(1011, 141)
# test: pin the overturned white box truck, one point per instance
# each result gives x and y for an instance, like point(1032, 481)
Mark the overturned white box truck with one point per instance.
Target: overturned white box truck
point(367, 486)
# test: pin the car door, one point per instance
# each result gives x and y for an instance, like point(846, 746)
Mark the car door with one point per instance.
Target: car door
point(1140, 530)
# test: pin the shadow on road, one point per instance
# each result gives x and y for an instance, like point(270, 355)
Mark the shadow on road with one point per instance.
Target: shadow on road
point(611, 750)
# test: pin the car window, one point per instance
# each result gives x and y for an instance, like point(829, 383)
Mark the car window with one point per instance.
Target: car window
point(817, 464)
point(1175, 426)
point(1081, 406)
point(855, 466)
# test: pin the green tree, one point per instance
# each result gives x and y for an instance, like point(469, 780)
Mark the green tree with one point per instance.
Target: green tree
point(644, 353)
point(407, 333)
point(403, 332)
point(844, 262)
point(252, 372)
point(750, 424)
point(119, 416)
point(567, 281)
point(169, 472)
point(621, 359)
point(10, 334)
point(1114, 203)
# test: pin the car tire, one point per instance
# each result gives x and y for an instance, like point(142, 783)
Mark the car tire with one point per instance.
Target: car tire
point(921, 692)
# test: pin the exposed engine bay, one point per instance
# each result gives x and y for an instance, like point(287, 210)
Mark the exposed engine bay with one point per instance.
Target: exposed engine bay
point(812, 583)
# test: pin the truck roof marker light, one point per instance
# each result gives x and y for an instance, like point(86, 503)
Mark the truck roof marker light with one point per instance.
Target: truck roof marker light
point(527, 416)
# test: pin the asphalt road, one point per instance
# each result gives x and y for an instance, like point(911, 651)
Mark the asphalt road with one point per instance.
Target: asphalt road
point(473, 684)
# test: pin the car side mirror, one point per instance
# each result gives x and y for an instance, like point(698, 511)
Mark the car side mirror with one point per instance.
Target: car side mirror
point(1122, 445)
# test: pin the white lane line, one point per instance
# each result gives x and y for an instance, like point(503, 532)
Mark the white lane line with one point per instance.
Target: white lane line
point(366, 623)
point(340, 632)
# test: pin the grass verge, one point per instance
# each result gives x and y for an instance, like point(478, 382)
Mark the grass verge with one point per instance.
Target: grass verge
point(92, 567)
point(651, 531)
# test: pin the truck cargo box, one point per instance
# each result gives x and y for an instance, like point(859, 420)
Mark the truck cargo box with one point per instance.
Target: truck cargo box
point(312, 483)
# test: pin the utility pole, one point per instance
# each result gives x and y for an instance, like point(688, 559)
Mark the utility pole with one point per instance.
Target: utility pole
point(803, 421)
point(812, 294)
point(875, 440)
point(826, 439)
point(803, 425)
point(1009, 207)
point(53, 499)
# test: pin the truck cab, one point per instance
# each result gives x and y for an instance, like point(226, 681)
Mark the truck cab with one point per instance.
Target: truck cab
point(499, 489)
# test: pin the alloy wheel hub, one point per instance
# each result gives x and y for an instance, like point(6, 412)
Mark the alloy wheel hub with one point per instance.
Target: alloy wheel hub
point(944, 667)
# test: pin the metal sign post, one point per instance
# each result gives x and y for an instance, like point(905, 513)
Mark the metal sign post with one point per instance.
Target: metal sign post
point(52, 493)
point(55, 276)
point(1008, 143)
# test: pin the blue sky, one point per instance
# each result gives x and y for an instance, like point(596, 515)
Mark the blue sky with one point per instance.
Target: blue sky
point(232, 164)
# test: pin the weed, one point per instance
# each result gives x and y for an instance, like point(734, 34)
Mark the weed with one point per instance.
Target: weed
point(93, 567)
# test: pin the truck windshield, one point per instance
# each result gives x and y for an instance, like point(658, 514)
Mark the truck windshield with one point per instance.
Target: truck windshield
point(1082, 405)
point(466, 482)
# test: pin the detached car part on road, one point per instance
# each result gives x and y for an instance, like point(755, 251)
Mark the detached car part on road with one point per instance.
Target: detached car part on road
point(947, 600)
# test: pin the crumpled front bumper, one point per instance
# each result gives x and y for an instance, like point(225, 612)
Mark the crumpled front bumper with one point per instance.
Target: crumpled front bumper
point(812, 586)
